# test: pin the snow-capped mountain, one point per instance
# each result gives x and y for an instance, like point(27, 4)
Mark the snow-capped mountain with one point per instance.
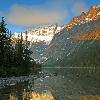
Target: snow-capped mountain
point(38, 34)
point(39, 38)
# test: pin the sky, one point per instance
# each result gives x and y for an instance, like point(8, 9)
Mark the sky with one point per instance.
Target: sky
point(22, 14)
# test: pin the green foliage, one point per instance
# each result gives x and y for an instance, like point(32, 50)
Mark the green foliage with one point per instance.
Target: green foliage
point(15, 60)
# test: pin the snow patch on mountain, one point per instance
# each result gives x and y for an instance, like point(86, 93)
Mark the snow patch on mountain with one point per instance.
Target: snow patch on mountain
point(43, 33)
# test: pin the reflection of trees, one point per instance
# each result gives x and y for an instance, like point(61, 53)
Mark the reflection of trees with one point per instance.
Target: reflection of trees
point(16, 91)
point(33, 96)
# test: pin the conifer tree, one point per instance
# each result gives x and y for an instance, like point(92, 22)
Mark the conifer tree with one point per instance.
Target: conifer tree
point(15, 59)
point(27, 55)
point(19, 51)
point(6, 48)
point(2, 40)
point(5, 45)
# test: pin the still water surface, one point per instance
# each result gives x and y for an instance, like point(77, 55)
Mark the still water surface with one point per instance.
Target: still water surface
point(54, 84)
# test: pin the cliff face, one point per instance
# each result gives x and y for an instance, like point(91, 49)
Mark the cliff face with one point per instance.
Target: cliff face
point(93, 34)
point(77, 42)
point(92, 14)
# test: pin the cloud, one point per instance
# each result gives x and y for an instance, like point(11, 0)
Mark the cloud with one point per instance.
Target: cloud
point(79, 7)
point(27, 16)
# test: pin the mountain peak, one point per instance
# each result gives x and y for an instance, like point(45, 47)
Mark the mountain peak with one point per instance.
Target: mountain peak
point(92, 14)
point(96, 7)
point(42, 33)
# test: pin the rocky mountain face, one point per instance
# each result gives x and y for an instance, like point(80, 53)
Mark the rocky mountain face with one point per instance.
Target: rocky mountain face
point(92, 14)
point(39, 38)
point(38, 34)
point(78, 43)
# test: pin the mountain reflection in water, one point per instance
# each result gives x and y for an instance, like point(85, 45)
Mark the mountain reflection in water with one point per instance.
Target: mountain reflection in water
point(23, 91)
point(57, 84)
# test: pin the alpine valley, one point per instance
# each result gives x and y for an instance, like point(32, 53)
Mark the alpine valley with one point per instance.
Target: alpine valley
point(74, 44)
point(51, 62)
point(39, 38)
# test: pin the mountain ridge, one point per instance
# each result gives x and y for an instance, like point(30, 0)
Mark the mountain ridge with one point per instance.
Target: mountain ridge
point(64, 45)
point(92, 14)
point(38, 34)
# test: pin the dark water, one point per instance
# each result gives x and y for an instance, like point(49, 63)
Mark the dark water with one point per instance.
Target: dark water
point(61, 83)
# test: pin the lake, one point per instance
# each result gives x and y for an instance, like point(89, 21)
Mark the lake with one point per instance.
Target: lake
point(53, 83)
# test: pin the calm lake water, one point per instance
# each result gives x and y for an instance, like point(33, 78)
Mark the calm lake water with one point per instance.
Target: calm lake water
point(54, 83)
